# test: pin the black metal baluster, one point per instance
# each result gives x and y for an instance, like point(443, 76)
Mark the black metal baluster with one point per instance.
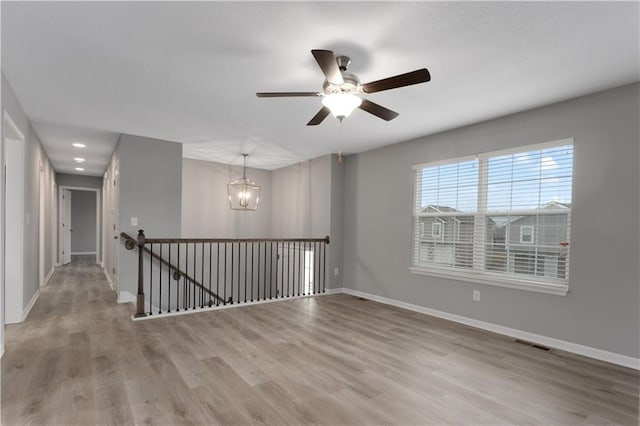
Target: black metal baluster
point(245, 272)
point(169, 281)
point(304, 268)
point(225, 274)
point(324, 266)
point(232, 268)
point(202, 275)
point(264, 285)
point(218, 274)
point(300, 265)
point(193, 281)
point(288, 268)
point(278, 267)
point(315, 266)
point(178, 282)
point(238, 292)
point(271, 272)
point(210, 269)
point(150, 280)
point(160, 288)
point(186, 284)
point(252, 249)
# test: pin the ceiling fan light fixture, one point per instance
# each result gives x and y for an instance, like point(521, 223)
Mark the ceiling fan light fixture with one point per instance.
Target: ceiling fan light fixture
point(244, 194)
point(341, 105)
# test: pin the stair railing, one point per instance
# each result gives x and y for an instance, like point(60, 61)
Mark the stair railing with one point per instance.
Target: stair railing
point(186, 274)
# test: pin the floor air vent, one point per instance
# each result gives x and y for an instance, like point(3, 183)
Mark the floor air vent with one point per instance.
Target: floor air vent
point(534, 345)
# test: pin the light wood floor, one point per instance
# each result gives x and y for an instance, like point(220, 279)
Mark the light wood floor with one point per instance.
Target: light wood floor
point(80, 360)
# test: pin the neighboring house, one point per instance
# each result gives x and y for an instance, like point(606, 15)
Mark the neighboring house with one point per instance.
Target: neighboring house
point(536, 243)
point(446, 240)
point(532, 244)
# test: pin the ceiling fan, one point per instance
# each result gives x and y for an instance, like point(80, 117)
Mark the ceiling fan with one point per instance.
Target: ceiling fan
point(343, 91)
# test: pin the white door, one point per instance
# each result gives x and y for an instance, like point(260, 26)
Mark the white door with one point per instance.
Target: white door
point(116, 225)
point(66, 226)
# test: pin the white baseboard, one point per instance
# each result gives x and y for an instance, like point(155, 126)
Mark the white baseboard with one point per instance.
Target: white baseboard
point(230, 306)
point(32, 302)
point(108, 278)
point(1, 350)
point(335, 290)
point(80, 253)
point(126, 297)
point(46, 279)
point(563, 345)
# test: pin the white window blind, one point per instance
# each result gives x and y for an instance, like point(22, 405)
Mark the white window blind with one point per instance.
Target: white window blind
point(503, 214)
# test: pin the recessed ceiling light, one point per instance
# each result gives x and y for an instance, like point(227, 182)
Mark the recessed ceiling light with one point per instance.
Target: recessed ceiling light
point(79, 145)
point(80, 169)
point(79, 160)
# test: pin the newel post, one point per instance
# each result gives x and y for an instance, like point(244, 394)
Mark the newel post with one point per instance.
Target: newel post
point(140, 296)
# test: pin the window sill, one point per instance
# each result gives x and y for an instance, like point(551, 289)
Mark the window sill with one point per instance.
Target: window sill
point(519, 284)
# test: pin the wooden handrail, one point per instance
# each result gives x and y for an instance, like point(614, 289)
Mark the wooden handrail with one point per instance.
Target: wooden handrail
point(130, 243)
point(234, 240)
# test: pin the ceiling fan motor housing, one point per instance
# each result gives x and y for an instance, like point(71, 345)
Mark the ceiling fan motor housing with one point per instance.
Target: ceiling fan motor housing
point(351, 85)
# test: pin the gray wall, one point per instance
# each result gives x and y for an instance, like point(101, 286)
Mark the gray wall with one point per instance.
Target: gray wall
point(601, 309)
point(83, 221)
point(34, 157)
point(205, 206)
point(151, 190)
point(307, 203)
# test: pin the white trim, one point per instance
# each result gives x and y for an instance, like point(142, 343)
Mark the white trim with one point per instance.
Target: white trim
point(104, 271)
point(587, 351)
point(46, 279)
point(1, 349)
point(532, 234)
point(32, 302)
point(98, 192)
point(79, 253)
point(126, 297)
point(495, 280)
point(482, 155)
point(230, 306)
point(334, 290)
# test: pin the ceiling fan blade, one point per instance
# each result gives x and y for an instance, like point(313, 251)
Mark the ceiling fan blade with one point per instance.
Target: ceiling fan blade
point(378, 110)
point(319, 117)
point(401, 80)
point(285, 94)
point(327, 61)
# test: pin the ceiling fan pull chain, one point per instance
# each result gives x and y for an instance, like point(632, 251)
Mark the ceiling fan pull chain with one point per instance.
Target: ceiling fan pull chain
point(340, 142)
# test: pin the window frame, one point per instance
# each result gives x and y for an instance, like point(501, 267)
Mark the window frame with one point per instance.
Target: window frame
point(532, 234)
point(521, 282)
point(440, 234)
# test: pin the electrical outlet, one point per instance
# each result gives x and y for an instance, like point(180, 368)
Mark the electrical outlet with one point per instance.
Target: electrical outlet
point(336, 271)
point(134, 221)
point(476, 295)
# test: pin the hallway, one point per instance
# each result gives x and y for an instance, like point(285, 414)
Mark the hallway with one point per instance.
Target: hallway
point(80, 360)
point(64, 351)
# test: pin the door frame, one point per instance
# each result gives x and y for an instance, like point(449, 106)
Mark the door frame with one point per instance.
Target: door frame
point(12, 309)
point(98, 191)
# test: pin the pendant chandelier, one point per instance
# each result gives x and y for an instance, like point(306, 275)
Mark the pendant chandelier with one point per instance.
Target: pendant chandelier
point(244, 194)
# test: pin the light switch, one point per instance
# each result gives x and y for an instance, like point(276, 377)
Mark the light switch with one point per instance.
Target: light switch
point(134, 221)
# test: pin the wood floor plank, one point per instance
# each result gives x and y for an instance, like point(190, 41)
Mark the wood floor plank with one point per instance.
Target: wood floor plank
point(333, 360)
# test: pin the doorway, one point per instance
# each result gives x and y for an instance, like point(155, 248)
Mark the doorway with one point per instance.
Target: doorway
point(79, 227)
point(13, 223)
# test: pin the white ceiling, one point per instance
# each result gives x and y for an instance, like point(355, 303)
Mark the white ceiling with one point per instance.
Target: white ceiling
point(188, 72)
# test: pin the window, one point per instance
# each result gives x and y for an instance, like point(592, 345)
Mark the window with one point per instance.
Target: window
point(436, 230)
point(526, 234)
point(500, 218)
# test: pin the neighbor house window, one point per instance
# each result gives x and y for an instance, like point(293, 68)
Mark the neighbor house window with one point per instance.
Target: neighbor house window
point(526, 234)
point(508, 213)
point(436, 230)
